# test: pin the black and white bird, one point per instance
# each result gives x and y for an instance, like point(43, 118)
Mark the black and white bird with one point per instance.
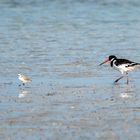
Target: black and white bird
point(123, 65)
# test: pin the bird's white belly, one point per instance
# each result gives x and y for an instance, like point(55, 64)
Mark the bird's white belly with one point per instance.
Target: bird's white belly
point(123, 68)
point(23, 80)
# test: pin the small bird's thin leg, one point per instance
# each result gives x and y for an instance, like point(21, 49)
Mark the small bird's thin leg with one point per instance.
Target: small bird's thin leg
point(23, 84)
point(118, 79)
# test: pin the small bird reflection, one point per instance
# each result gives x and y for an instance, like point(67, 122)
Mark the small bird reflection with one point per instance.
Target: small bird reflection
point(125, 95)
point(23, 93)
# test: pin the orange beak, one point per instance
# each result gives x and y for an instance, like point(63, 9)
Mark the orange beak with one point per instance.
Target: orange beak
point(104, 61)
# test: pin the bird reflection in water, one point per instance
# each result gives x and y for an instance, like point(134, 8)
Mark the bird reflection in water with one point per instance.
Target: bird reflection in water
point(23, 93)
point(125, 93)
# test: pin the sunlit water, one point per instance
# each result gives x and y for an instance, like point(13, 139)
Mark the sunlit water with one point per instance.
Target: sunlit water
point(59, 45)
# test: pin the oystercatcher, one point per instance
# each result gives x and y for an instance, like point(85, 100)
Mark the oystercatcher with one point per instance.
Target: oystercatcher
point(23, 78)
point(123, 65)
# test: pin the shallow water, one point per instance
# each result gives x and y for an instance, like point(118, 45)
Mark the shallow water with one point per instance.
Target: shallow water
point(59, 45)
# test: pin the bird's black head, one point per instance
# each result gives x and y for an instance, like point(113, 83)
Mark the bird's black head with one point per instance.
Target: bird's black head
point(112, 57)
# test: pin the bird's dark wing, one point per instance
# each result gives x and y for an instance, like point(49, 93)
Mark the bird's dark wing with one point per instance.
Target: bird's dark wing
point(127, 62)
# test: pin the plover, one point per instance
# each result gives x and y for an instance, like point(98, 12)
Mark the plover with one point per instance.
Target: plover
point(23, 78)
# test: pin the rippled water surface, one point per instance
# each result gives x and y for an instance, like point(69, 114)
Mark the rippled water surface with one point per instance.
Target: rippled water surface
point(59, 45)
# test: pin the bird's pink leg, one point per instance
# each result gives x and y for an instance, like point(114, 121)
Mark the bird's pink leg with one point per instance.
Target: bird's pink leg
point(127, 78)
point(118, 79)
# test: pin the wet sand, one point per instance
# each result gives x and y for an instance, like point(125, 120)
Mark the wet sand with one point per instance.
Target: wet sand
point(69, 111)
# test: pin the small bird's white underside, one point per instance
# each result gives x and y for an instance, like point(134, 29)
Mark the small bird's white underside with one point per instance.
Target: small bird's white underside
point(23, 78)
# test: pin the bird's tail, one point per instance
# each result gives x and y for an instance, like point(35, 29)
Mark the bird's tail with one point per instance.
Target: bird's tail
point(138, 65)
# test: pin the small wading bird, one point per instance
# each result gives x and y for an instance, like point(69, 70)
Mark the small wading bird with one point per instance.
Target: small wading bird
point(123, 65)
point(24, 79)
